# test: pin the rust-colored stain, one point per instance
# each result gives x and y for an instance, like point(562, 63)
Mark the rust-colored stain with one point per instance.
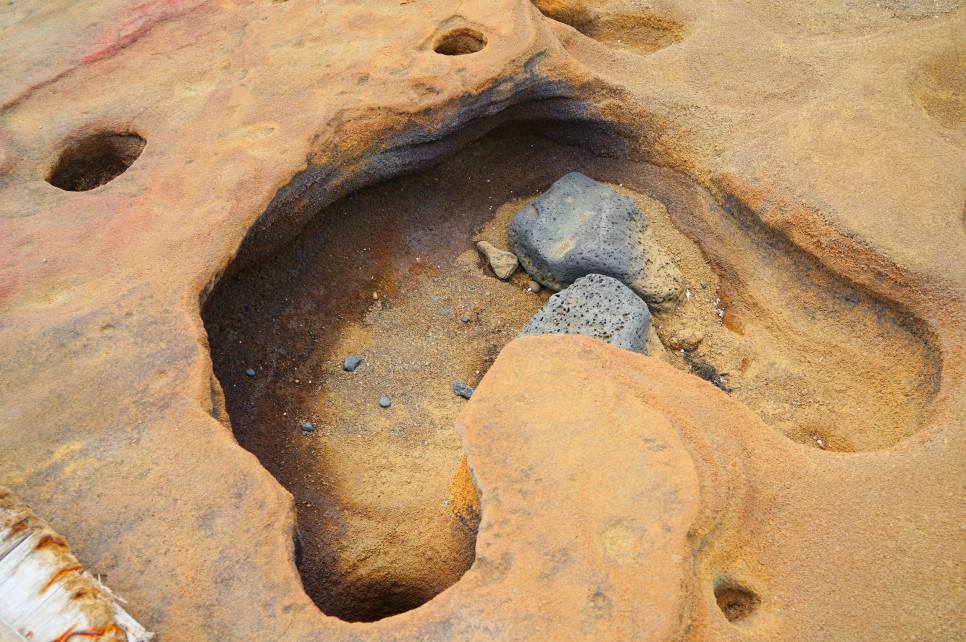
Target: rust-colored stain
point(65, 635)
point(728, 317)
point(19, 526)
point(51, 540)
point(86, 633)
point(59, 574)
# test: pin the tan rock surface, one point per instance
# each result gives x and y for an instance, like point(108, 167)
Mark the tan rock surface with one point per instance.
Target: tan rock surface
point(504, 264)
point(812, 154)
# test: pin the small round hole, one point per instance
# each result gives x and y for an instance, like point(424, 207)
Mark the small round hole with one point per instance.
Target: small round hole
point(459, 42)
point(736, 601)
point(94, 160)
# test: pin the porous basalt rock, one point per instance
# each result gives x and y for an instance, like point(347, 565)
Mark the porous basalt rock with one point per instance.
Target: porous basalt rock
point(580, 227)
point(595, 306)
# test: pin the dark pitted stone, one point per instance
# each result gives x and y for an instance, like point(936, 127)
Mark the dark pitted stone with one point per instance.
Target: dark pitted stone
point(580, 227)
point(596, 306)
point(460, 389)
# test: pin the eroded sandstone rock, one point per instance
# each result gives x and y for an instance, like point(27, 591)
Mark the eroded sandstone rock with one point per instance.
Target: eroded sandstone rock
point(798, 117)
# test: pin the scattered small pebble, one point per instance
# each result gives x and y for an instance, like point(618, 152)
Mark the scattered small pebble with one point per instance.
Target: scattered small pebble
point(435, 299)
point(444, 312)
point(349, 364)
point(385, 402)
point(504, 263)
point(250, 372)
point(460, 389)
point(533, 286)
point(307, 427)
point(465, 319)
point(686, 340)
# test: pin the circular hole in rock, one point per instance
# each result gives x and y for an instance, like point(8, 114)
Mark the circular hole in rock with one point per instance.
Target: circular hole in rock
point(635, 31)
point(94, 160)
point(735, 601)
point(459, 42)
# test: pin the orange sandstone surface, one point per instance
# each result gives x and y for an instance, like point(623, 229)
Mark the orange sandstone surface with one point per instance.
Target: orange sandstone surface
point(193, 188)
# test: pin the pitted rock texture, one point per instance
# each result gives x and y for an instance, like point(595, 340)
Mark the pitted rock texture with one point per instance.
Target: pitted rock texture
point(595, 306)
point(580, 227)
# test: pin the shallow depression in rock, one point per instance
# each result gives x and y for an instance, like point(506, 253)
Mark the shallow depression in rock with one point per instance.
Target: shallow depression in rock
point(616, 25)
point(737, 603)
point(94, 160)
point(391, 274)
point(460, 41)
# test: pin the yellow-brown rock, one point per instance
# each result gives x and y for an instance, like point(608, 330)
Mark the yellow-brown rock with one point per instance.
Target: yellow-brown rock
point(814, 153)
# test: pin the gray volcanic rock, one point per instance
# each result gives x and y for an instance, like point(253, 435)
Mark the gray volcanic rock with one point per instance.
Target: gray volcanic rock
point(580, 227)
point(596, 306)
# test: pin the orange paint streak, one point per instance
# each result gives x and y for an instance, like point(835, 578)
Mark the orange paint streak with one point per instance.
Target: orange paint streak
point(59, 574)
point(51, 540)
point(89, 633)
point(66, 634)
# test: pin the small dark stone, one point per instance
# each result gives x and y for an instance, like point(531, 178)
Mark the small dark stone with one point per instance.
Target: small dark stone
point(349, 364)
point(250, 372)
point(444, 312)
point(462, 390)
point(435, 299)
point(706, 371)
point(385, 402)
point(465, 319)
point(308, 426)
